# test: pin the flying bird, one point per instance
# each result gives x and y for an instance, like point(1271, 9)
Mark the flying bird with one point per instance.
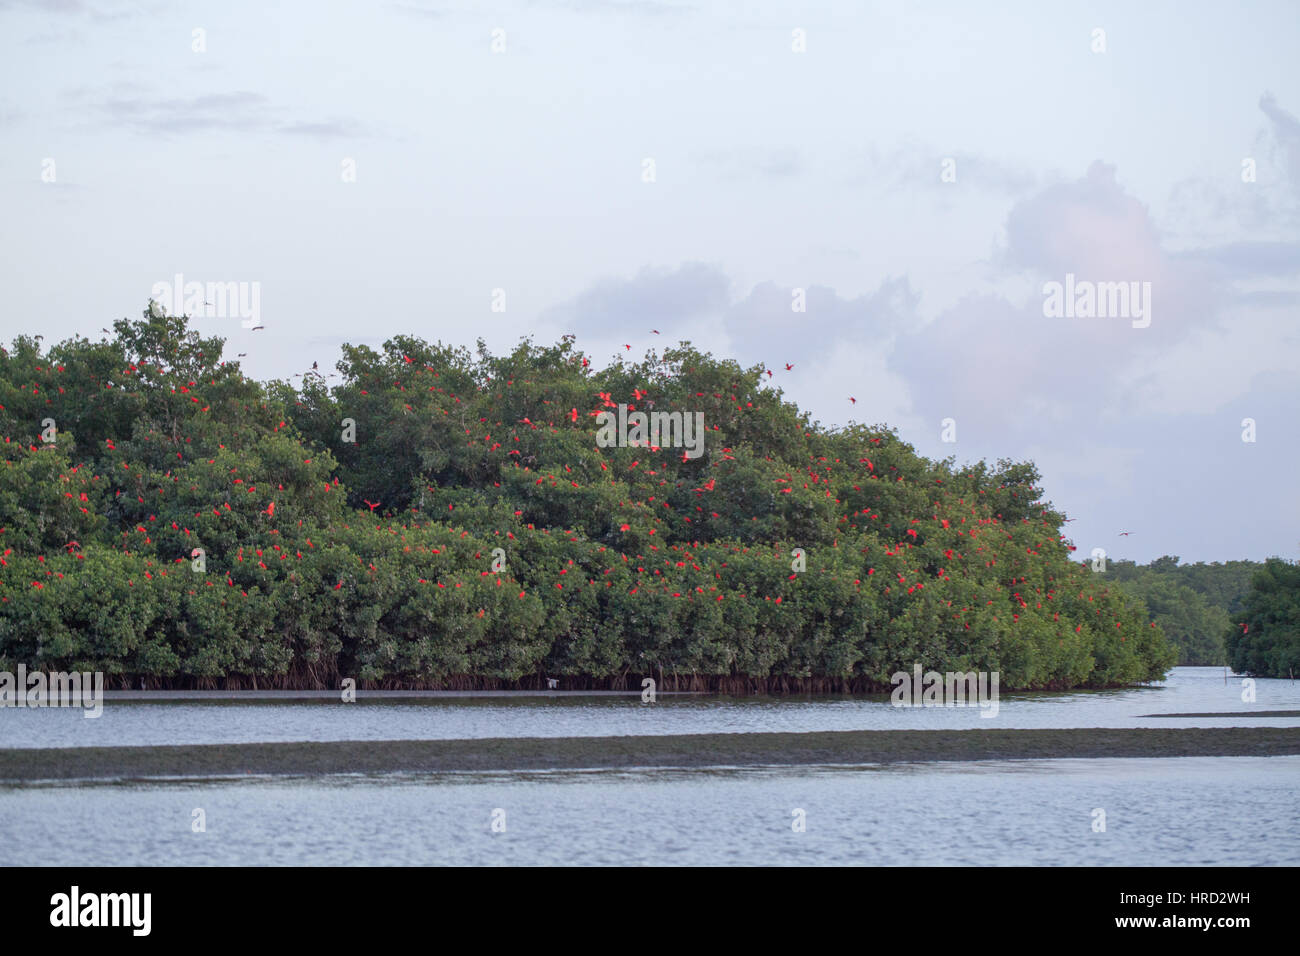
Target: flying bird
point(853, 400)
point(257, 328)
point(788, 366)
point(373, 504)
point(654, 331)
point(1125, 534)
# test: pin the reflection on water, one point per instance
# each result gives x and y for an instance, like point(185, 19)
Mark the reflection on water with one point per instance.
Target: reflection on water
point(1167, 811)
point(1189, 689)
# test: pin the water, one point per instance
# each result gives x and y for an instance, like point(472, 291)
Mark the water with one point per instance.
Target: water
point(1159, 811)
point(1184, 811)
point(123, 723)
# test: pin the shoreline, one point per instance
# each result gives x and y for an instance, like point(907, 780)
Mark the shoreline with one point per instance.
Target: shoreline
point(687, 750)
point(361, 695)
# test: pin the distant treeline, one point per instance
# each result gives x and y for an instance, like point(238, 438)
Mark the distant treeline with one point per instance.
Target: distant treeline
point(1265, 640)
point(433, 517)
point(1195, 604)
point(1242, 613)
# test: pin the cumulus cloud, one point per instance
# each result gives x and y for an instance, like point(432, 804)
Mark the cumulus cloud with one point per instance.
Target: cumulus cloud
point(670, 300)
point(767, 316)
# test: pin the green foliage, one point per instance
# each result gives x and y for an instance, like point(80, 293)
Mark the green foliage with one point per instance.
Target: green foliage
point(1266, 642)
point(192, 526)
point(1192, 603)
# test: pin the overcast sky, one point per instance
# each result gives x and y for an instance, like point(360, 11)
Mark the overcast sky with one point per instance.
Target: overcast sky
point(524, 169)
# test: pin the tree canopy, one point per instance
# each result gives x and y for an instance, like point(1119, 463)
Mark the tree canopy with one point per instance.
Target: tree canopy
point(1265, 640)
point(1193, 603)
point(443, 517)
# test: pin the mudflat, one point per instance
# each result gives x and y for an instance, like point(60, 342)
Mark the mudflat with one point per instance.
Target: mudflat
point(686, 750)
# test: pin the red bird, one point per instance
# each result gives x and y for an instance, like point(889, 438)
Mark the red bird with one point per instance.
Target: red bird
point(654, 331)
point(853, 400)
point(789, 366)
point(373, 504)
point(628, 347)
point(270, 509)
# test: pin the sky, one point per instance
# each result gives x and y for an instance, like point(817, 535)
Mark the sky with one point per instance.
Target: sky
point(916, 173)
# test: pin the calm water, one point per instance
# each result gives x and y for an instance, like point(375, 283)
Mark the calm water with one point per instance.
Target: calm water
point(1187, 811)
point(1179, 811)
point(1189, 689)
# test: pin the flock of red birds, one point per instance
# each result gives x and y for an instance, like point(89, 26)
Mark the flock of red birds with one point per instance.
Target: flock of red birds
point(819, 472)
